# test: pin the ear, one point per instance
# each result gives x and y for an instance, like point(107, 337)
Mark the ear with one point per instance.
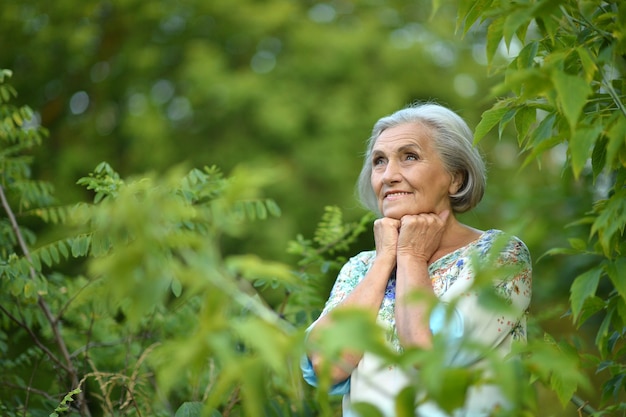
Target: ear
point(456, 183)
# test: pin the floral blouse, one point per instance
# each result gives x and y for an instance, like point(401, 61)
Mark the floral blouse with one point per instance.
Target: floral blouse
point(452, 278)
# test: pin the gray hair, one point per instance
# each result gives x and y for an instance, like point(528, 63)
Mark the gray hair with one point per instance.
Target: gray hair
point(452, 139)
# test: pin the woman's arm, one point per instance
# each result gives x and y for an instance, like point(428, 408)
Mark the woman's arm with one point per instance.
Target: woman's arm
point(419, 238)
point(366, 295)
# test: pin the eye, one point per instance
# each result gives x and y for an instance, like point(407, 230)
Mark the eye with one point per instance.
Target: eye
point(378, 160)
point(412, 157)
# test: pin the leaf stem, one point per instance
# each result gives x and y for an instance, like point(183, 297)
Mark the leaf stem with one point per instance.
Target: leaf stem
point(54, 322)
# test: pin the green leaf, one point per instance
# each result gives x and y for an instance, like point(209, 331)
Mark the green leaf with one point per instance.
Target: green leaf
point(494, 36)
point(617, 140)
point(610, 220)
point(524, 118)
point(580, 146)
point(526, 57)
point(583, 287)
point(578, 244)
point(616, 270)
point(513, 21)
point(261, 210)
point(572, 93)
point(189, 409)
point(598, 156)
point(489, 119)
point(405, 402)
point(177, 287)
point(273, 208)
point(589, 65)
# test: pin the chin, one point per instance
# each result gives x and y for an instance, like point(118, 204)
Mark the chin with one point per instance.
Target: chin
point(394, 214)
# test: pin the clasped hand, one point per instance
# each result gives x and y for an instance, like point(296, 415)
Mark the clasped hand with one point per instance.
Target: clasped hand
point(416, 235)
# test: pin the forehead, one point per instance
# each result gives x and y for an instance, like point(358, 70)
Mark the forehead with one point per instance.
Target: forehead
point(406, 134)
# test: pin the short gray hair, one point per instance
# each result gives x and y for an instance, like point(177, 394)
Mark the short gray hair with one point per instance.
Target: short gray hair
point(452, 139)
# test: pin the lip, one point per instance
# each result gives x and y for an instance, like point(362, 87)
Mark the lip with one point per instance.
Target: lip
point(392, 195)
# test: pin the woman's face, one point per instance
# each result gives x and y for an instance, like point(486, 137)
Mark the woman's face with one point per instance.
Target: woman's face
point(408, 176)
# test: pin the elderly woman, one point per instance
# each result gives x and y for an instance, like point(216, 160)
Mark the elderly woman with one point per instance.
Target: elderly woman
point(420, 170)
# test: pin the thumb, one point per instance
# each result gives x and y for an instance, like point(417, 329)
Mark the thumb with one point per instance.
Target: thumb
point(444, 215)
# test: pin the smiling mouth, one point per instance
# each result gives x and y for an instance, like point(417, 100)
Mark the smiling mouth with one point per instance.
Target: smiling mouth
point(398, 194)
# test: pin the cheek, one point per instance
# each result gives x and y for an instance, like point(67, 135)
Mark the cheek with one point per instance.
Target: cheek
point(374, 181)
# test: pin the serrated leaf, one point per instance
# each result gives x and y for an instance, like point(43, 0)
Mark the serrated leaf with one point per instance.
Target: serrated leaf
point(572, 93)
point(513, 21)
point(583, 287)
point(524, 119)
point(611, 220)
point(591, 306)
point(580, 146)
point(494, 36)
point(489, 119)
point(543, 131)
point(564, 387)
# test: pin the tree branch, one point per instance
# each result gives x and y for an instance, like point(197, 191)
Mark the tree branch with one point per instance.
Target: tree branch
point(33, 336)
point(54, 323)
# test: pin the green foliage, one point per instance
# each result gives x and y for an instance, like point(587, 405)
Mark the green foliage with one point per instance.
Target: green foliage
point(63, 406)
point(156, 297)
point(153, 300)
point(568, 89)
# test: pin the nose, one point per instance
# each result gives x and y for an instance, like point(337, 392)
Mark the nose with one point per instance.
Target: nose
point(392, 173)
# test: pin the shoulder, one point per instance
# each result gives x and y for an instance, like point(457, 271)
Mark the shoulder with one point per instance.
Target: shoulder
point(362, 260)
point(510, 248)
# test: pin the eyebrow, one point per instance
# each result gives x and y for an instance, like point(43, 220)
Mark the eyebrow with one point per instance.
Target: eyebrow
point(401, 149)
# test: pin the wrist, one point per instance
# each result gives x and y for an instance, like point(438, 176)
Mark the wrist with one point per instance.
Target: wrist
point(411, 259)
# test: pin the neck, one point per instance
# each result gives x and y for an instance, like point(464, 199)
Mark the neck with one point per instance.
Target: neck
point(455, 236)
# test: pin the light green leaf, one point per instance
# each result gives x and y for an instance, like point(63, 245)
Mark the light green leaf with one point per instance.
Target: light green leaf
point(177, 287)
point(489, 119)
point(583, 287)
point(578, 244)
point(589, 66)
point(494, 36)
point(580, 146)
point(261, 210)
point(189, 409)
point(273, 208)
point(514, 20)
point(572, 93)
point(524, 118)
point(29, 290)
point(526, 57)
point(617, 140)
point(543, 131)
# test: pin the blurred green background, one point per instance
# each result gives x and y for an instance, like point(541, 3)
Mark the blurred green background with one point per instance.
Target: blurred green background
point(293, 86)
